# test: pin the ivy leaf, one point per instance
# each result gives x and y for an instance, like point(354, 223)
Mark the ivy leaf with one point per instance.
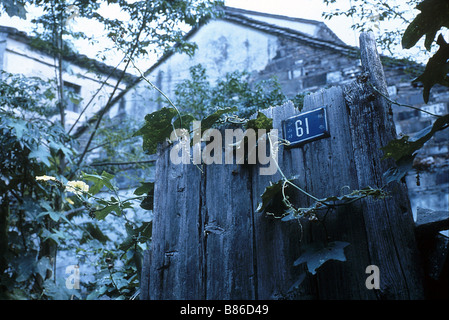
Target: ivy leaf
point(434, 15)
point(436, 69)
point(406, 146)
point(183, 122)
point(356, 194)
point(317, 254)
point(157, 128)
point(272, 199)
point(261, 122)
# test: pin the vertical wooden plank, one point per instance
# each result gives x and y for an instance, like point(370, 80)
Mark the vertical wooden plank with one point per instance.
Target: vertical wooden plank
point(388, 222)
point(176, 245)
point(277, 243)
point(145, 276)
point(331, 171)
point(228, 233)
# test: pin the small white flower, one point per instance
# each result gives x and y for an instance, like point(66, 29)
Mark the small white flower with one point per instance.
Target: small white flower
point(77, 187)
point(46, 178)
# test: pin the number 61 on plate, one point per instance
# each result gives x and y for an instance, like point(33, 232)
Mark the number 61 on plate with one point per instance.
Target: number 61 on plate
point(306, 127)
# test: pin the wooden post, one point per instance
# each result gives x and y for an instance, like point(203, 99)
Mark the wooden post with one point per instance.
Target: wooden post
point(210, 243)
point(389, 223)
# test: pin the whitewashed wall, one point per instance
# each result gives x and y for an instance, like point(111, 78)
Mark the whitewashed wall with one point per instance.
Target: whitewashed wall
point(19, 58)
point(233, 47)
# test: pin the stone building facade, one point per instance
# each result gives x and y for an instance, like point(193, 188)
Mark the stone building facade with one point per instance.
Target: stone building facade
point(305, 56)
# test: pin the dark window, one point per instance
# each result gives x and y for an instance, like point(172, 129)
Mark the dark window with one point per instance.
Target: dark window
point(314, 80)
point(72, 96)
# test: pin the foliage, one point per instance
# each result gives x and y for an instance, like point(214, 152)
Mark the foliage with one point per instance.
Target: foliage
point(377, 16)
point(273, 200)
point(157, 128)
point(14, 8)
point(198, 97)
point(432, 18)
point(437, 68)
point(260, 122)
point(316, 254)
point(159, 25)
point(428, 22)
point(404, 149)
point(30, 147)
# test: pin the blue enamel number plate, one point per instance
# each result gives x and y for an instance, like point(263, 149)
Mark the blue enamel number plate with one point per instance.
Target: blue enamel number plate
point(306, 127)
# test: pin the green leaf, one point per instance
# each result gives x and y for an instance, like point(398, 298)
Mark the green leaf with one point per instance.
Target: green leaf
point(145, 231)
point(144, 188)
point(316, 254)
point(99, 181)
point(404, 150)
point(14, 8)
point(406, 146)
point(54, 215)
point(297, 283)
point(19, 126)
point(42, 154)
point(436, 69)
point(101, 214)
point(25, 267)
point(434, 15)
point(42, 266)
point(157, 128)
point(75, 100)
point(261, 122)
point(272, 199)
point(183, 121)
point(148, 202)
point(55, 235)
point(61, 147)
point(94, 231)
point(134, 235)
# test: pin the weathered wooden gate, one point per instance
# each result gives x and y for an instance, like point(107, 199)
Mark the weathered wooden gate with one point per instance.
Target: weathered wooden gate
point(209, 242)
